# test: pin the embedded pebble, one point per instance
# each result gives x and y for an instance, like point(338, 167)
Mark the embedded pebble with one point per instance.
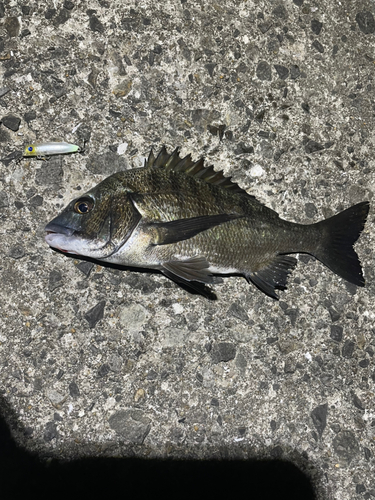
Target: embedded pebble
point(56, 397)
point(256, 171)
point(11, 121)
point(132, 425)
point(345, 446)
point(133, 317)
point(17, 252)
point(3, 199)
point(223, 351)
point(366, 22)
point(319, 418)
point(95, 314)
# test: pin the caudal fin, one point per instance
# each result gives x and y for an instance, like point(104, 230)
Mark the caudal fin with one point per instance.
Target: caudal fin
point(340, 232)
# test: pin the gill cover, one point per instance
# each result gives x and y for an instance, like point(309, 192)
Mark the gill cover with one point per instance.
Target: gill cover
point(96, 224)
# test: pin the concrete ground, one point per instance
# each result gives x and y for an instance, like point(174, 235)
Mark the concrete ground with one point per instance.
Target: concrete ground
point(101, 362)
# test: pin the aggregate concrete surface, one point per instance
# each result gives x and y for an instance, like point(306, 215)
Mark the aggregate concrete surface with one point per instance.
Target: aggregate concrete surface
point(97, 361)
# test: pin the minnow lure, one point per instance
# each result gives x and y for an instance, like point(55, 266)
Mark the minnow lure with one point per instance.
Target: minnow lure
point(43, 149)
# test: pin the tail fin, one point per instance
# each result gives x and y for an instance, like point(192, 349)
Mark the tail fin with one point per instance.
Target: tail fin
point(340, 232)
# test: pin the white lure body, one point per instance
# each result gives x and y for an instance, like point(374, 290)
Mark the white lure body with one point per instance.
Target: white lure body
point(50, 148)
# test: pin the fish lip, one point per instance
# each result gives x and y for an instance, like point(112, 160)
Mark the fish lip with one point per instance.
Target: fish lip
point(56, 228)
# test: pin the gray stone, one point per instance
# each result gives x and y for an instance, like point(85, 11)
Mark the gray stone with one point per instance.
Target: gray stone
point(294, 72)
point(84, 133)
point(74, 390)
point(56, 397)
point(36, 201)
point(29, 116)
point(115, 363)
point(210, 68)
point(316, 26)
point(85, 267)
point(366, 22)
point(319, 418)
point(68, 5)
point(238, 312)
point(280, 12)
point(12, 26)
point(223, 352)
point(3, 199)
point(313, 147)
point(290, 365)
point(132, 425)
point(282, 71)
point(103, 370)
point(4, 91)
point(336, 332)
point(49, 13)
point(11, 121)
point(241, 361)
point(358, 403)
point(348, 349)
point(50, 431)
point(95, 314)
point(15, 155)
point(17, 252)
point(95, 24)
point(264, 71)
point(133, 317)
point(318, 46)
point(310, 210)
point(55, 280)
point(62, 17)
point(345, 446)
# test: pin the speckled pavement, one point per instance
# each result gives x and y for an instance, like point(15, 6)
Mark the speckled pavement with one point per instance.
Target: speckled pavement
point(96, 361)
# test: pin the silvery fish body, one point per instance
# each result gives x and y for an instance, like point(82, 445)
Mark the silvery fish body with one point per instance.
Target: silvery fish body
point(50, 148)
point(190, 222)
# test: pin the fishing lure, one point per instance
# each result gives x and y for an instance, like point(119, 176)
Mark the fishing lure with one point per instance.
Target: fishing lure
point(43, 149)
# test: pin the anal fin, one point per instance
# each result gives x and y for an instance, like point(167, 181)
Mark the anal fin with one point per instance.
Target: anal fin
point(274, 275)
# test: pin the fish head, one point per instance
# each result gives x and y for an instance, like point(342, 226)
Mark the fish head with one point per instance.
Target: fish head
point(96, 224)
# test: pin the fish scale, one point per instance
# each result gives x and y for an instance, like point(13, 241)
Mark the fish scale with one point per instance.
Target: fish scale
point(190, 222)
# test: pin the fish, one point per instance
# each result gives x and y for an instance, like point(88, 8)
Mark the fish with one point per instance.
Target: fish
point(190, 222)
point(43, 149)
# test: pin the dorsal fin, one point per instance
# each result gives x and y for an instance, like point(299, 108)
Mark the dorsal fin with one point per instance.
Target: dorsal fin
point(173, 162)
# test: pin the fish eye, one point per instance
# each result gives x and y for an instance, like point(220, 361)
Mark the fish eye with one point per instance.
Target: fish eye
point(83, 206)
point(30, 148)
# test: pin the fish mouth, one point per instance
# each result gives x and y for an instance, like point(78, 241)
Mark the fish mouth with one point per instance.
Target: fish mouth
point(53, 228)
point(56, 234)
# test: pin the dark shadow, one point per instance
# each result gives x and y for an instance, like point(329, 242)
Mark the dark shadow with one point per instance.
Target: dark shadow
point(23, 473)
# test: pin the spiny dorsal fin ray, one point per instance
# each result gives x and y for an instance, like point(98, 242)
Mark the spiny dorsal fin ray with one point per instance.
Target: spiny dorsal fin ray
point(173, 162)
point(162, 158)
point(150, 160)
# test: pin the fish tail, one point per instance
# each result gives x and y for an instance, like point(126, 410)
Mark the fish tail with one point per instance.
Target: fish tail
point(339, 233)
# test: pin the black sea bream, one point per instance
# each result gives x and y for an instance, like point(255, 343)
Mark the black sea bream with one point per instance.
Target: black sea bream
point(190, 222)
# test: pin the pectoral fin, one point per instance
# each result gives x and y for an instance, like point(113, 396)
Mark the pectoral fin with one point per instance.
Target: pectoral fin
point(183, 229)
point(194, 269)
